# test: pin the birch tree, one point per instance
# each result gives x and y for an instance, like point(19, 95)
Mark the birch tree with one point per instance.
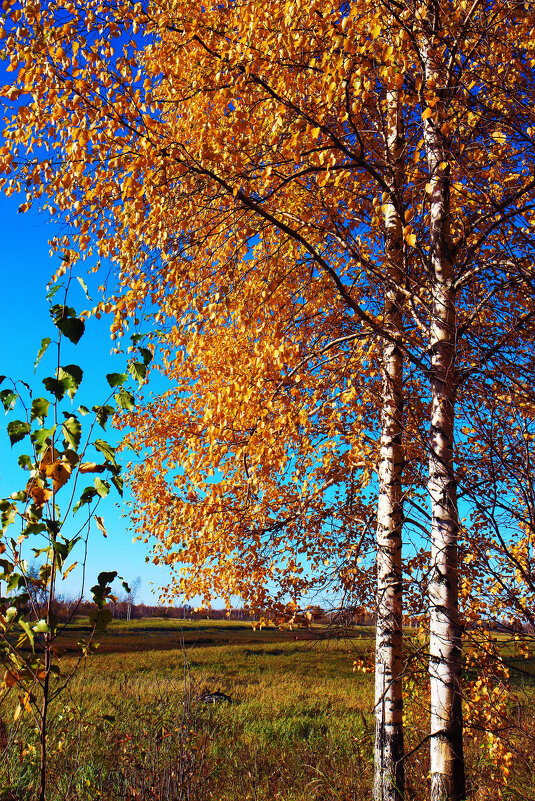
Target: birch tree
point(389, 768)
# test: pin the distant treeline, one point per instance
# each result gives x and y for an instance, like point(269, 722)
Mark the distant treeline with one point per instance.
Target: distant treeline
point(65, 609)
point(122, 610)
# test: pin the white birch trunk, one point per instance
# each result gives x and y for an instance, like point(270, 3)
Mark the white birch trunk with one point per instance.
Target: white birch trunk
point(389, 773)
point(445, 646)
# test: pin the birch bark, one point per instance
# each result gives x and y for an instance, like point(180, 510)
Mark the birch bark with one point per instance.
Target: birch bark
point(389, 773)
point(445, 646)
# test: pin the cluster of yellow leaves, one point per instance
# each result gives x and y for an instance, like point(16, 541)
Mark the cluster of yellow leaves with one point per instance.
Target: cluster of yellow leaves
point(489, 701)
point(53, 466)
point(250, 454)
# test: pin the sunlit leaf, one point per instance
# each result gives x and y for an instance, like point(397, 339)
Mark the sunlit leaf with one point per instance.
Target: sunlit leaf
point(44, 345)
point(72, 431)
point(17, 430)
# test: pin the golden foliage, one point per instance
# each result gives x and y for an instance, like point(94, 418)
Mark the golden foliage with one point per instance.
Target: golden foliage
point(230, 160)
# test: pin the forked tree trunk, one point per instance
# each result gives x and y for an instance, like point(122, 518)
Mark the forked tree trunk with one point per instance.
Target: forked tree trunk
point(389, 773)
point(445, 646)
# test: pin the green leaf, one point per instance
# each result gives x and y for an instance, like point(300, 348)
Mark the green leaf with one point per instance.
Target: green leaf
point(146, 355)
point(72, 431)
point(42, 437)
point(29, 633)
point(100, 619)
point(65, 319)
point(71, 377)
point(40, 407)
point(40, 353)
point(125, 400)
point(25, 462)
point(55, 387)
point(116, 379)
point(138, 371)
point(73, 328)
point(72, 457)
point(63, 549)
point(53, 291)
point(45, 571)
point(102, 487)
point(60, 312)
point(106, 449)
point(14, 582)
point(128, 444)
point(8, 398)
point(39, 551)
point(17, 430)
point(84, 286)
point(53, 526)
point(8, 513)
point(117, 481)
point(101, 590)
point(86, 497)
point(41, 627)
point(83, 410)
point(35, 528)
point(106, 577)
point(103, 413)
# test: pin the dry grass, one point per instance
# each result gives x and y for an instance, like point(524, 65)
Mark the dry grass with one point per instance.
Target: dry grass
point(132, 725)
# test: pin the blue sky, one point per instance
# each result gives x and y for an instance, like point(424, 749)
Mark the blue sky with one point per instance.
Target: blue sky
point(25, 269)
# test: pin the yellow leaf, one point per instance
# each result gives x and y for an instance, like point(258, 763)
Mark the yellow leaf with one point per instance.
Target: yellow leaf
point(25, 701)
point(50, 455)
point(71, 567)
point(375, 30)
point(399, 80)
point(90, 467)
point(60, 472)
point(10, 679)
point(411, 240)
point(100, 524)
point(38, 492)
point(427, 113)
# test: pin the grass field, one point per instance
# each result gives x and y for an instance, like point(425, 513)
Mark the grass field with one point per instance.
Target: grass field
point(131, 723)
point(163, 633)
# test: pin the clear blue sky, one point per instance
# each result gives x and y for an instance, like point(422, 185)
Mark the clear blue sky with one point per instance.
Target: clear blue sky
point(25, 269)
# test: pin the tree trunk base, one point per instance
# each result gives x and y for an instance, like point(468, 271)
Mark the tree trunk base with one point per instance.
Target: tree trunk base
point(389, 779)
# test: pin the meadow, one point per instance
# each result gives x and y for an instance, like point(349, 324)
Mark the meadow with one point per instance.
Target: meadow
point(132, 724)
